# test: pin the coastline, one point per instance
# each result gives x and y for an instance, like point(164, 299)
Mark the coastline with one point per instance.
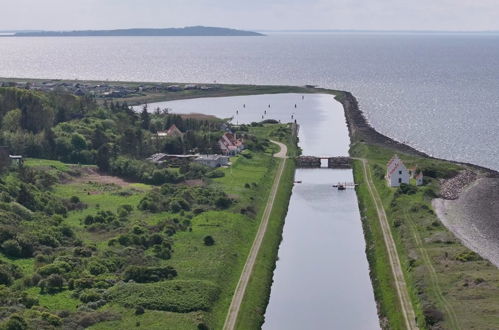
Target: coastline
point(470, 217)
point(362, 133)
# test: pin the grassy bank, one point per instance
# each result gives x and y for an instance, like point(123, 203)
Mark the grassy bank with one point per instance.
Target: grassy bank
point(450, 286)
point(251, 314)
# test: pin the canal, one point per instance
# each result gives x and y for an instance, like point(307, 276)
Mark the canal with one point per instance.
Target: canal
point(321, 280)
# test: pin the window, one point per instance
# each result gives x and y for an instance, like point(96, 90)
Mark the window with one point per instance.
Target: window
point(400, 180)
point(400, 172)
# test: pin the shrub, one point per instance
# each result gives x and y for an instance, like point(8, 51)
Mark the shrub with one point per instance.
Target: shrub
point(96, 268)
point(406, 189)
point(12, 248)
point(53, 283)
point(90, 295)
point(208, 240)
point(468, 256)
point(174, 296)
point(223, 202)
point(15, 322)
point(142, 274)
point(139, 310)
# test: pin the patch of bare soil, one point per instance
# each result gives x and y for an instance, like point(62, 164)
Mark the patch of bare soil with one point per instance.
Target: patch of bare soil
point(194, 183)
point(94, 175)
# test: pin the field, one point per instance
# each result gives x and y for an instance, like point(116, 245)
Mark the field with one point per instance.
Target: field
point(205, 274)
point(450, 286)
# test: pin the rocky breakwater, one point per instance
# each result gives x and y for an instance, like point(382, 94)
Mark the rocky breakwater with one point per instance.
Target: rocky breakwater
point(451, 188)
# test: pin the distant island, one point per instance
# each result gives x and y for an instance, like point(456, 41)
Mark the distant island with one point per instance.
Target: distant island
point(185, 31)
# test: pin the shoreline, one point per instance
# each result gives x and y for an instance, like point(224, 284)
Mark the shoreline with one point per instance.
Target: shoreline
point(361, 132)
point(467, 217)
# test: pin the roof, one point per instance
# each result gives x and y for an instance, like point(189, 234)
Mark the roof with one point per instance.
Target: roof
point(15, 156)
point(173, 130)
point(211, 157)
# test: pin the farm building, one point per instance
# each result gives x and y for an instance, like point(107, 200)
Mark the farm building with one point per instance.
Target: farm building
point(230, 145)
point(212, 160)
point(396, 172)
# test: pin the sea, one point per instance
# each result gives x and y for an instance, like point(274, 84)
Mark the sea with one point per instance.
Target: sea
point(436, 92)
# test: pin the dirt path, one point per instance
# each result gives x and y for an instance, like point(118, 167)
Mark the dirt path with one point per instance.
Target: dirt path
point(237, 298)
point(398, 274)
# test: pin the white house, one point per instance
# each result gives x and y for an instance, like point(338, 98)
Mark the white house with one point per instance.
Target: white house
point(212, 160)
point(396, 172)
point(419, 179)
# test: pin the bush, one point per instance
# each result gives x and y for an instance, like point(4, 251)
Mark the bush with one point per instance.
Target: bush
point(53, 283)
point(90, 295)
point(468, 256)
point(174, 296)
point(15, 322)
point(139, 310)
point(96, 268)
point(209, 241)
point(12, 248)
point(142, 274)
point(406, 189)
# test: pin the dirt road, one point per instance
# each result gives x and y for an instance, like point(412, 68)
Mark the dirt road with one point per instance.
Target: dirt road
point(398, 274)
point(230, 321)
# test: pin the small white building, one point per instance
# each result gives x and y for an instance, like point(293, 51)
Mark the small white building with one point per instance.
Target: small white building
point(212, 160)
point(396, 172)
point(419, 179)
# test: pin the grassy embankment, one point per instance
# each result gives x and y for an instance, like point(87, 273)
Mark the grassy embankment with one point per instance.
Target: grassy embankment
point(219, 265)
point(450, 286)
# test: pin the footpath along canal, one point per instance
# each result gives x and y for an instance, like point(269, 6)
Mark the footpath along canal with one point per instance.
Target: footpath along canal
point(321, 280)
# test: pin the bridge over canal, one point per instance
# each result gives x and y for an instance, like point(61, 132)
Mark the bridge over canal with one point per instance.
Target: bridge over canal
point(340, 162)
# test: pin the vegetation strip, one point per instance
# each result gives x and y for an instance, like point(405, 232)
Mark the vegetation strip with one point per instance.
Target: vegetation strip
point(403, 294)
point(233, 312)
point(433, 276)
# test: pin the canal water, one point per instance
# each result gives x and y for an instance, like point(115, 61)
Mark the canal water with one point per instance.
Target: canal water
point(321, 280)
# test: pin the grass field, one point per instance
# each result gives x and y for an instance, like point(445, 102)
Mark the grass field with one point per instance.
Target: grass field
point(207, 275)
point(446, 291)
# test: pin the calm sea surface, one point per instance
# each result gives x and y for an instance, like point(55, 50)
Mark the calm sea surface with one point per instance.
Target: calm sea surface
point(439, 93)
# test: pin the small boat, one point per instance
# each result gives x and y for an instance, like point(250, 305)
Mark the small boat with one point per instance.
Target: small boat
point(341, 187)
point(299, 181)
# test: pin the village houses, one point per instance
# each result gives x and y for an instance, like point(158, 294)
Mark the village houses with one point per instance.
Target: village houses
point(230, 145)
point(397, 173)
point(173, 131)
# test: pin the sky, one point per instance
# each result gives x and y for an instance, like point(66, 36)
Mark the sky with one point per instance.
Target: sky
point(452, 15)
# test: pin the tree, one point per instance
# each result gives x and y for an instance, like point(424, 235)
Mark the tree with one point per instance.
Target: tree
point(99, 138)
point(102, 159)
point(26, 198)
point(12, 120)
point(145, 118)
point(78, 142)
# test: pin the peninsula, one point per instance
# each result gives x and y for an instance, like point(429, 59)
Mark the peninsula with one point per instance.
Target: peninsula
point(87, 193)
point(189, 31)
